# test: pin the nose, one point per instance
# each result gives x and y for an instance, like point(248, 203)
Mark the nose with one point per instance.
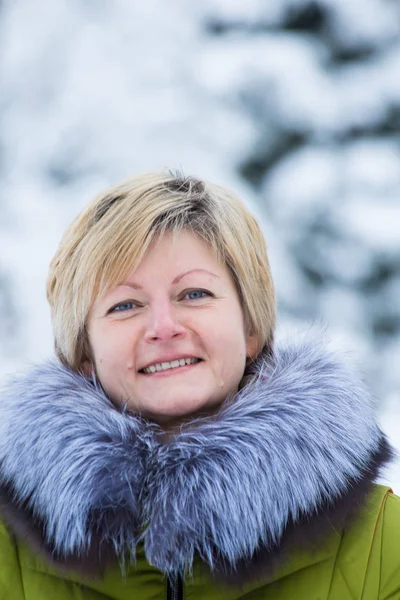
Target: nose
point(162, 324)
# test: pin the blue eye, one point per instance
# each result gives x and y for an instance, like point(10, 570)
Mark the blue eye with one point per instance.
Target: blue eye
point(197, 294)
point(123, 306)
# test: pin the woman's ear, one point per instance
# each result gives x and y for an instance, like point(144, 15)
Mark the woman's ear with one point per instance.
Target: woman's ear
point(87, 369)
point(252, 346)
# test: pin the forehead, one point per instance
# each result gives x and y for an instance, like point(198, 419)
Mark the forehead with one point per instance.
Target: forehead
point(177, 248)
point(167, 254)
point(172, 256)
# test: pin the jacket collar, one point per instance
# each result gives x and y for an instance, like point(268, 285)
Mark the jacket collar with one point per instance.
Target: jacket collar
point(298, 445)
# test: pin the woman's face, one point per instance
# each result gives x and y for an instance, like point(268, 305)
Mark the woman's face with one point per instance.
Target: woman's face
point(169, 340)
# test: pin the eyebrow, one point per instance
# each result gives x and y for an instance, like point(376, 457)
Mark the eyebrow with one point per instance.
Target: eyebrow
point(176, 280)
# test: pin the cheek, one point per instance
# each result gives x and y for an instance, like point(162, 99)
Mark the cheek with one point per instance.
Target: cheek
point(108, 349)
point(113, 364)
point(229, 331)
point(228, 347)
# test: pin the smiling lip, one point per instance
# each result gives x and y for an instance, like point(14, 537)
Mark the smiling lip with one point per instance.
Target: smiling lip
point(171, 371)
point(169, 360)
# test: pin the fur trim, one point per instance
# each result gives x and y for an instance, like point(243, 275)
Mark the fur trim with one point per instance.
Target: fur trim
point(299, 441)
point(73, 460)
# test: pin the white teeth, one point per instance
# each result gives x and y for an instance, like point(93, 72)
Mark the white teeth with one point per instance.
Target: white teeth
point(170, 365)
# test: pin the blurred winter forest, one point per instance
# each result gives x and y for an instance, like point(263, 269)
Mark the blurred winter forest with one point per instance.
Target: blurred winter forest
point(294, 104)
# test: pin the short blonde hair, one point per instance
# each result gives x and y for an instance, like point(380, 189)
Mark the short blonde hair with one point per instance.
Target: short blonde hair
point(110, 237)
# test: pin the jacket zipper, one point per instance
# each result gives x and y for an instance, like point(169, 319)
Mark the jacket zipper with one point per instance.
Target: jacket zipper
point(174, 587)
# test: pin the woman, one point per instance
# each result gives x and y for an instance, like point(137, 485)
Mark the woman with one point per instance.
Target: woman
point(172, 450)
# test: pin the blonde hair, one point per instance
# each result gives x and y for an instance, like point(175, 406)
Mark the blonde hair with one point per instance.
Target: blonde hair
point(110, 237)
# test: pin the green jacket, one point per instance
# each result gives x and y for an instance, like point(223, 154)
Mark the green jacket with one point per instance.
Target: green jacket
point(362, 563)
point(272, 498)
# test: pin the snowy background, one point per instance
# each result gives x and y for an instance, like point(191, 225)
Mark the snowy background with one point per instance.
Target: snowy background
point(294, 104)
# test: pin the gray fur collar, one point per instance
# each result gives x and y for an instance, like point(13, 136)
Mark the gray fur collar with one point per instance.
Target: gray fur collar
point(79, 477)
